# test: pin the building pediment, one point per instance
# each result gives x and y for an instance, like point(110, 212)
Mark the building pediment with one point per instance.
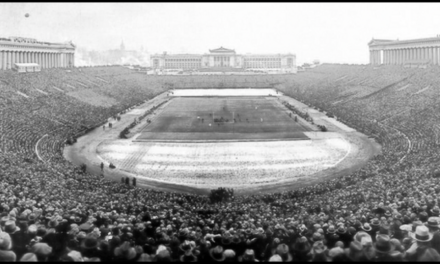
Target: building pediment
point(222, 50)
point(379, 41)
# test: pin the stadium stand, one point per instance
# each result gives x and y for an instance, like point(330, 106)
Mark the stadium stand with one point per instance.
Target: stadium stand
point(386, 211)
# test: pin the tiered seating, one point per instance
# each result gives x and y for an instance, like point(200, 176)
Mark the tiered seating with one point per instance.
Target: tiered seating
point(398, 187)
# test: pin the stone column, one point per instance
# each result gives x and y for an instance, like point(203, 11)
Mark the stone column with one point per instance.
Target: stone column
point(394, 56)
point(13, 58)
point(401, 56)
point(406, 55)
point(1, 60)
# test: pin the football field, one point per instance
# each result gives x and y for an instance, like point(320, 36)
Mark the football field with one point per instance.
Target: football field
point(223, 118)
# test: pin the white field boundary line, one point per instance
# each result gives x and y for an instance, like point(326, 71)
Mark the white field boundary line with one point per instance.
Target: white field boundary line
point(346, 154)
point(36, 148)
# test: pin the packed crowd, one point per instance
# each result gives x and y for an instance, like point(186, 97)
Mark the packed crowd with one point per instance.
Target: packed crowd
point(386, 211)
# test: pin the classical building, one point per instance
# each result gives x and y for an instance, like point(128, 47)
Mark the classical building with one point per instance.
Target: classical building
point(24, 50)
point(402, 52)
point(222, 59)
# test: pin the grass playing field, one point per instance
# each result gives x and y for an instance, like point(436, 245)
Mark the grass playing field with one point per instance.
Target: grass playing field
point(244, 118)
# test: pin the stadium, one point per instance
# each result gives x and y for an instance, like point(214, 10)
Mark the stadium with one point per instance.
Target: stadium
point(339, 162)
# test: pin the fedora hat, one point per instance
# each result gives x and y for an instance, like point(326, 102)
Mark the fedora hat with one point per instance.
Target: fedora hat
point(331, 229)
point(10, 227)
point(383, 244)
point(422, 234)
point(90, 242)
point(31, 217)
point(216, 253)
point(435, 211)
point(319, 247)
point(283, 251)
point(185, 246)
point(248, 256)
point(41, 249)
point(432, 222)
point(341, 230)
point(375, 222)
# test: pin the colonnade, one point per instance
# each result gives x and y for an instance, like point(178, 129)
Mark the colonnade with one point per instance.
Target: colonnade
point(51, 59)
point(402, 55)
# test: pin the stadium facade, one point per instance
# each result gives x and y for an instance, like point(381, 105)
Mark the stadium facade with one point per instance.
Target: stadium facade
point(223, 59)
point(401, 52)
point(26, 50)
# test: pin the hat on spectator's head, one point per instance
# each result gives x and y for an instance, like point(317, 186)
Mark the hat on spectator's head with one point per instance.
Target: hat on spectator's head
point(423, 216)
point(185, 246)
point(89, 242)
point(339, 244)
point(388, 213)
point(354, 252)
point(163, 256)
point(331, 229)
point(316, 237)
point(276, 258)
point(422, 234)
point(10, 227)
point(53, 222)
point(301, 246)
point(125, 251)
point(145, 258)
point(383, 244)
point(319, 247)
point(85, 227)
point(283, 250)
point(334, 252)
point(407, 228)
point(29, 257)
point(435, 211)
point(236, 240)
point(375, 222)
point(341, 230)
point(433, 222)
point(216, 253)
point(229, 254)
point(249, 255)
point(5, 241)
point(41, 249)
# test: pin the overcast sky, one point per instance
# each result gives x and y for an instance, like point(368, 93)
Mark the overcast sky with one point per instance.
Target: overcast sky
point(330, 32)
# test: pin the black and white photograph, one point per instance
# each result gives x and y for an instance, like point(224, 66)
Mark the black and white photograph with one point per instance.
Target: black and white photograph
point(219, 132)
